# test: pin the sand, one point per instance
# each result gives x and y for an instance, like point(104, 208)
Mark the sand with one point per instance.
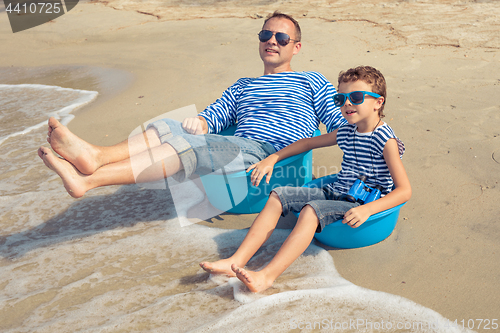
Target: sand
point(442, 65)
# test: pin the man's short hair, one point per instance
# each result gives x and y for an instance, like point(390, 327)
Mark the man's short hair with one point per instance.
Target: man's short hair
point(288, 17)
point(369, 75)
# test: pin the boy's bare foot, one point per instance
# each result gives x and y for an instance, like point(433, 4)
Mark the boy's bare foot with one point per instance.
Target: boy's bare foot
point(73, 180)
point(222, 267)
point(81, 154)
point(255, 281)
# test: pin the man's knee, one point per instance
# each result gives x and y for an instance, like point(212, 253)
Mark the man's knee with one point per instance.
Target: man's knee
point(172, 123)
point(152, 137)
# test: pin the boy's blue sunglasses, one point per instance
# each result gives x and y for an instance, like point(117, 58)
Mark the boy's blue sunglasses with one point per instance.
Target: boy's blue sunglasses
point(356, 97)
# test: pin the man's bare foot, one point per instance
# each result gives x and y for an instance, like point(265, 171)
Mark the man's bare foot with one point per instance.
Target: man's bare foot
point(255, 281)
point(221, 267)
point(81, 154)
point(73, 180)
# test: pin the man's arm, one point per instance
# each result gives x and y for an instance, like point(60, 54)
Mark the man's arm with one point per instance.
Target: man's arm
point(327, 112)
point(195, 125)
point(222, 113)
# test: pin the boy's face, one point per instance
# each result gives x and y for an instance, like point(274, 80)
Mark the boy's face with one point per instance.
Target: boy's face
point(364, 115)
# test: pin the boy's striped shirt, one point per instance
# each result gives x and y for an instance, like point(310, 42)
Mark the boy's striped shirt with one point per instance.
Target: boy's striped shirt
point(363, 155)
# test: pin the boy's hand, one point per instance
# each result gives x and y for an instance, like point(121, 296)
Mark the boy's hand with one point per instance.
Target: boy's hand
point(356, 216)
point(264, 167)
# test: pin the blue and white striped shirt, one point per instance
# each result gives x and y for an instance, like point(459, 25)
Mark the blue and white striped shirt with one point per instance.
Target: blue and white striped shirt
point(278, 109)
point(363, 155)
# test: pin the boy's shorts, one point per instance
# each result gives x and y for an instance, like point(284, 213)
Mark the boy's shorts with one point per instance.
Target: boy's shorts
point(204, 154)
point(325, 203)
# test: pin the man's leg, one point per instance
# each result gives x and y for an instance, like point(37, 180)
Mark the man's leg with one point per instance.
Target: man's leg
point(155, 164)
point(86, 157)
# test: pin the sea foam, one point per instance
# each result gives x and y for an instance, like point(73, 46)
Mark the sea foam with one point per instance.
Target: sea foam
point(27, 107)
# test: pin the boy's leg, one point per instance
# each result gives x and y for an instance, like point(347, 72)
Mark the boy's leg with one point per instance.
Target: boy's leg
point(281, 201)
point(86, 157)
point(257, 235)
point(295, 244)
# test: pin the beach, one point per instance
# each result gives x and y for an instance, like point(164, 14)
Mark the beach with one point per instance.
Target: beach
point(118, 260)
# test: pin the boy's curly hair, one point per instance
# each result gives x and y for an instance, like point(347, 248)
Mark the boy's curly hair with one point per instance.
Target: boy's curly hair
point(369, 75)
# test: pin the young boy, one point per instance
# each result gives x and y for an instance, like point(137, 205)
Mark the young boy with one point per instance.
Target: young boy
point(371, 149)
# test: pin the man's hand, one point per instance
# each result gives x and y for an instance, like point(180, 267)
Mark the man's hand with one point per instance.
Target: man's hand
point(195, 125)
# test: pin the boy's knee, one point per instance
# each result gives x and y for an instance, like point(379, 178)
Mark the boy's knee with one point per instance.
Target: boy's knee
point(309, 218)
point(309, 210)
point(275, 197)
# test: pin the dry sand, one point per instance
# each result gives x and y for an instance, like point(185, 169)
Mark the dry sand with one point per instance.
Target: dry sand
point(441, 62)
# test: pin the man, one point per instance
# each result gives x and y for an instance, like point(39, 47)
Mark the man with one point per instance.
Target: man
point(271, 112)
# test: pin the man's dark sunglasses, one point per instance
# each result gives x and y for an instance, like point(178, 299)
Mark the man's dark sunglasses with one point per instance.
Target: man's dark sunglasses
point(282, 38)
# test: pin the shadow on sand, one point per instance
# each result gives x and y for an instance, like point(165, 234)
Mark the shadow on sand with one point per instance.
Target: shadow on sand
point(124, 208)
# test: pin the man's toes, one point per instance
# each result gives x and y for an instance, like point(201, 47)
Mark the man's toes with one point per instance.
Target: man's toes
point(53, 123)
point(41, 152)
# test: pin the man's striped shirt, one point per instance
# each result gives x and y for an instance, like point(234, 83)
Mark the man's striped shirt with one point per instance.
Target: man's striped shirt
point(363, 155)
point(278, 109)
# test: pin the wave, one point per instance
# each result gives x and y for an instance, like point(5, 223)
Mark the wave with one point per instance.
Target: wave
point(16, 100)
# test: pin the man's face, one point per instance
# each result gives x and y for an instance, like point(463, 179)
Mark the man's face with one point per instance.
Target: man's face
point(277, 58)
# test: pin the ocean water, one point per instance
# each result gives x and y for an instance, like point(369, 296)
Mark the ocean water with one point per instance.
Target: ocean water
point(119, 260)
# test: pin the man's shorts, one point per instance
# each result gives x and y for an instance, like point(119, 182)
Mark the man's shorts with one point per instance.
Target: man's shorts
point(207, 153)
point(327, 204)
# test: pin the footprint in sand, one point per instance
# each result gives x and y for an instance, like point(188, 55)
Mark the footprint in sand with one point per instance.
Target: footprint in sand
point(496, 156)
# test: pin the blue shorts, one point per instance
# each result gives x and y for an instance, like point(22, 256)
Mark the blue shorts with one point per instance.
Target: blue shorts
point(327, 204)
point(207, 153)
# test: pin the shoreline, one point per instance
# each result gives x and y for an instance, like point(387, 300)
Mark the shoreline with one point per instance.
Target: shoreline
point(443, 252)
point(109, 83)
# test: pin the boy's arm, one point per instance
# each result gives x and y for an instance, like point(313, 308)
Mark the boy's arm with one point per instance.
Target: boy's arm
point(402, 193)
point(265, 167)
